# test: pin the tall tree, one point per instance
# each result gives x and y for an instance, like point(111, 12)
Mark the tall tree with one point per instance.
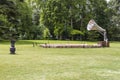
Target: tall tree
point(114, 10)
point(61, 18)
point(16, 18)
point(9, 19)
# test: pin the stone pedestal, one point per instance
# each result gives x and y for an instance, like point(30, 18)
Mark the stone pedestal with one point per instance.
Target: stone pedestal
point(12, 50)
point(104, 43)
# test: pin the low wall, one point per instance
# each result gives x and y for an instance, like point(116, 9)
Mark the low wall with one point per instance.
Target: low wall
point(70, 46)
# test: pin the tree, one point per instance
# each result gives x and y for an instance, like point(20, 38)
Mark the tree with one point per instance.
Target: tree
point(64, 19)
point(25, 26)
point(37, 29)
point(16, 18)
point(8, 20)
point(114, 12)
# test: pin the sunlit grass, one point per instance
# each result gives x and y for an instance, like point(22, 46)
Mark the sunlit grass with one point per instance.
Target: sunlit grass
point(36, 63)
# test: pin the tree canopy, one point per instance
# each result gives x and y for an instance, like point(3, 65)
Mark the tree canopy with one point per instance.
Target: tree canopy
point(58, 19)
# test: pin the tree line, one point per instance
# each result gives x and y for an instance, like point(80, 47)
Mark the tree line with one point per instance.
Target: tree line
point(58, 19)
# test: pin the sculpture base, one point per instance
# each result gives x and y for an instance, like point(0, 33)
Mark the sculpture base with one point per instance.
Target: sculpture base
point(12, 50)
point(104, 43)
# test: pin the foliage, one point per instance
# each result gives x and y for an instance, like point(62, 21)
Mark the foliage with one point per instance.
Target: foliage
point(46, 34)
point(8, 19)
point(60, 17)
point(74, 32)
point(114, 12)
point(74, 14)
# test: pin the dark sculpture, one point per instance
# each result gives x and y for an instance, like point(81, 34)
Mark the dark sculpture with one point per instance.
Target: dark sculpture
point(12, 48)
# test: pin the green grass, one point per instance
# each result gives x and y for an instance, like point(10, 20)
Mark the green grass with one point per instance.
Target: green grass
point(36, 63)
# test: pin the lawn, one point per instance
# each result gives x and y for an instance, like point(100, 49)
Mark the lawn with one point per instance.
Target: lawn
point(36, 63)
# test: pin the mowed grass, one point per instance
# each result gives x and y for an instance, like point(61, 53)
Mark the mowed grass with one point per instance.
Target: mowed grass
point(36, 63)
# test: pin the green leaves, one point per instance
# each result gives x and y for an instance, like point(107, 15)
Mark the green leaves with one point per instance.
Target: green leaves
point(114, 15)
point(10, 18)
point(62, 18)
point(75, 32)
